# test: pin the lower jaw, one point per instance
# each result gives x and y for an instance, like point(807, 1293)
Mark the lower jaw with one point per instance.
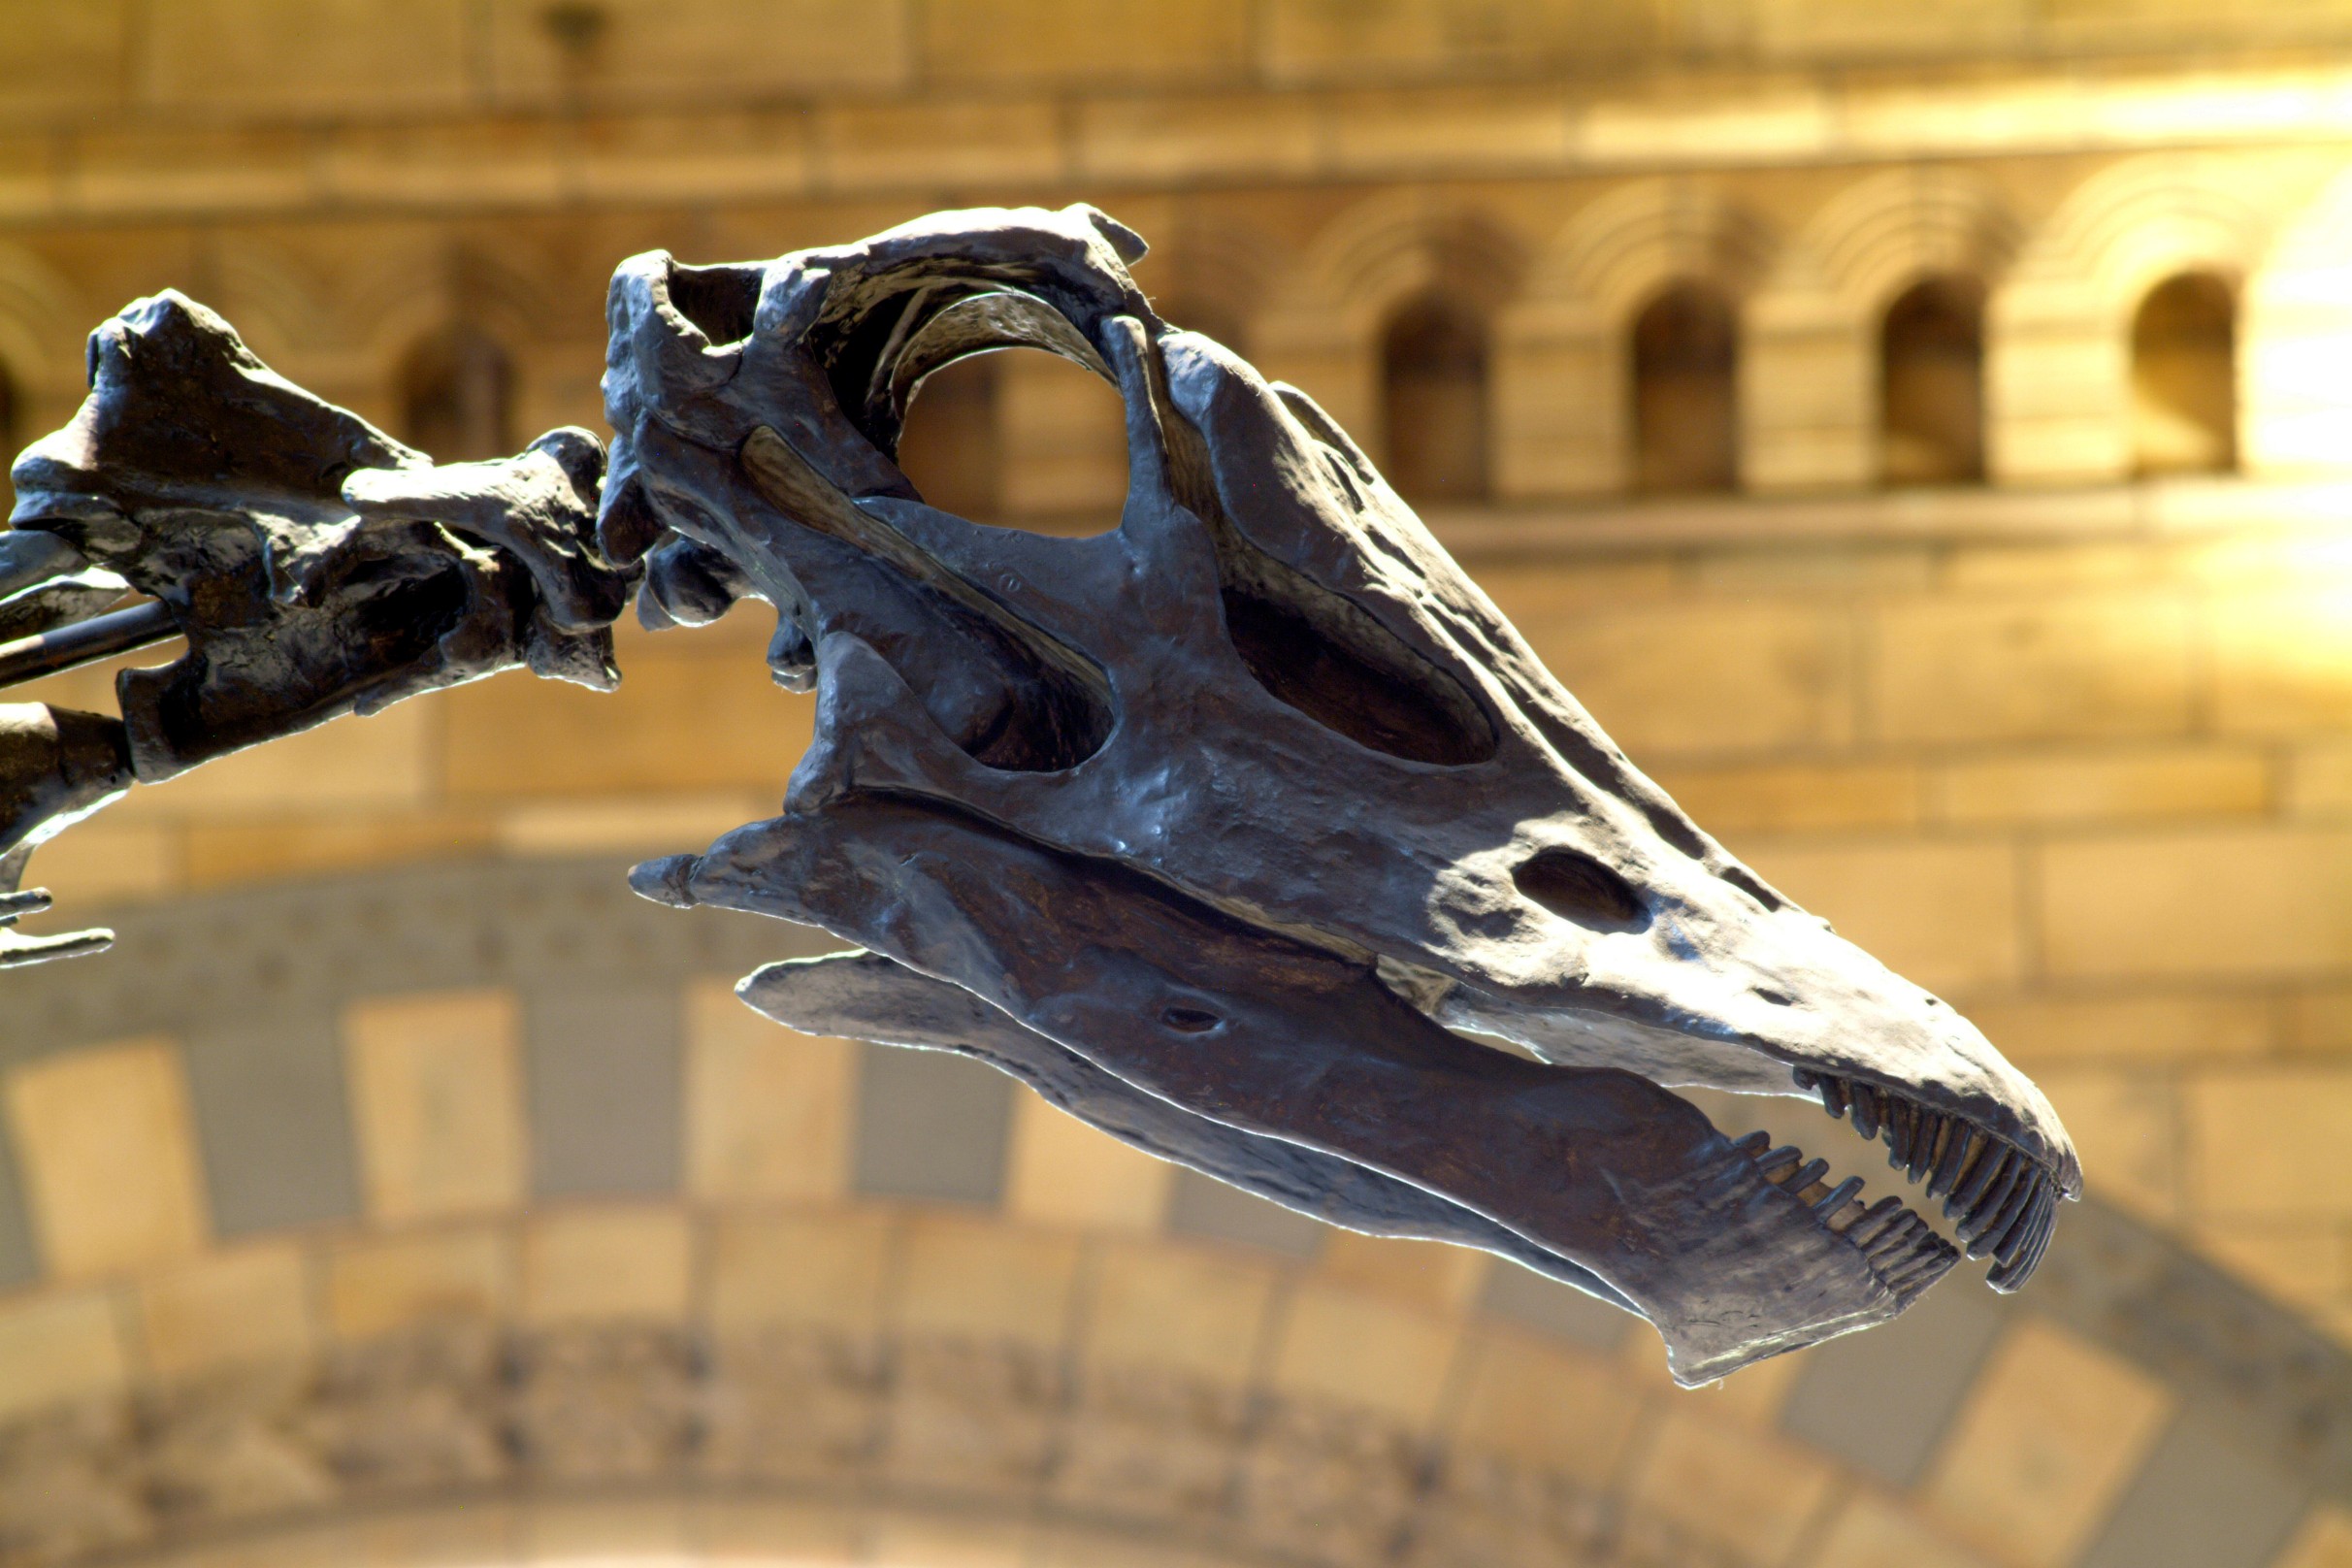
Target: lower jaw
point(1731, 1268)
point(1729, 1265)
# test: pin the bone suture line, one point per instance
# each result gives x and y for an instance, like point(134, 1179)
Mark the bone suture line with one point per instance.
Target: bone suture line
point(794, 485)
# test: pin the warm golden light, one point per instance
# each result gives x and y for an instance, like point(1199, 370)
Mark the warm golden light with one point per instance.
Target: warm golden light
point(1920, 435)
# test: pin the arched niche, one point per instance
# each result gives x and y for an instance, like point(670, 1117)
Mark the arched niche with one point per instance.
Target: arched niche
point(2184, 377)
point(1814, 330)
point(1565, 386)
point(457, 393)
point(1433, 400)
point(1397, 261)
point(1685, 364)
point(1931, 383)
point(2060, 379)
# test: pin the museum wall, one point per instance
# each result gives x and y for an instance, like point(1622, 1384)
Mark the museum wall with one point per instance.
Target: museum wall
point(1925, 447)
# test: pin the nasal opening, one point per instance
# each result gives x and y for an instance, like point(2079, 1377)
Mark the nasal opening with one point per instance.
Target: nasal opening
point(1579, 888)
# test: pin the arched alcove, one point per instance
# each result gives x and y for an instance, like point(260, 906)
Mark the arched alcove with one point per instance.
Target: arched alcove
point(1433, 400)
point(457, 396)
point(1393, 310)
point(2184, 377)
point(951, 444)
point(2064, 386)
point(1931, 383)
point(1816, 327)
point(1568, 387)
point(1685, 364)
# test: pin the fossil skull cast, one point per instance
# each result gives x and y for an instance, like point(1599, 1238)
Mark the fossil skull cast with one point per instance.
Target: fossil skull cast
point(1227, 826)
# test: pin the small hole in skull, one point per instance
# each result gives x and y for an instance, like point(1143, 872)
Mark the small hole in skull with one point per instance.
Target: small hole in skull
point(1189, 1020)
point(1778, 998)
point(1579, 888)
point(720, 301)
point(1755, 889)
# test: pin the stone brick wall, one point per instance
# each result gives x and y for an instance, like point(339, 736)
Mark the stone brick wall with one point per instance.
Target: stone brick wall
point(230, 59)
point(326, 1244)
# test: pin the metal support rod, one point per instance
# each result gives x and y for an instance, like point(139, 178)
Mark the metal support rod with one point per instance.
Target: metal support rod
point(101, 636)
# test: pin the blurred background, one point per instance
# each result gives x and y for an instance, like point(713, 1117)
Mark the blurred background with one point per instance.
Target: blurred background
point(1921, 434)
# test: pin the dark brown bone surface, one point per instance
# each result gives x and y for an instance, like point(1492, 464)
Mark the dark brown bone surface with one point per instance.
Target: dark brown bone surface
point(1228, 829)
point(313, 567)
point(217, 486)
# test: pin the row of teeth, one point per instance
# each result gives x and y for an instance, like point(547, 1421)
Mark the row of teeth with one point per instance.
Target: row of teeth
point(1902, 1250)
point(2004, 1204)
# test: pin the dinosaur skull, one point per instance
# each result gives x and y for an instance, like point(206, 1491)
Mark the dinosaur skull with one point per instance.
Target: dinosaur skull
point(1241, 812)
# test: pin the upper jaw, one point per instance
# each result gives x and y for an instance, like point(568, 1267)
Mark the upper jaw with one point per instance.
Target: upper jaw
point(1785, 1028)
point(1772, 1001)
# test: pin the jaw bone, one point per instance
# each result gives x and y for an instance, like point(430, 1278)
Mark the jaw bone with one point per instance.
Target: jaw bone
point(1241, 803)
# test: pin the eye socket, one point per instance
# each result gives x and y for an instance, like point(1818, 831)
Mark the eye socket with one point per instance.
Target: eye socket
point(720, 301)
point(1577, 887)
point(1189, 1020)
